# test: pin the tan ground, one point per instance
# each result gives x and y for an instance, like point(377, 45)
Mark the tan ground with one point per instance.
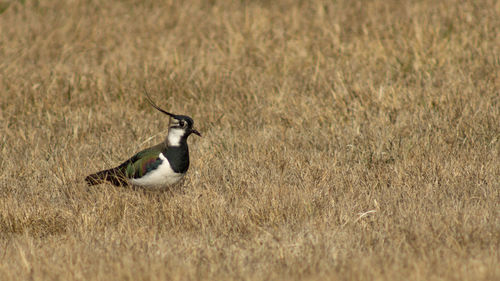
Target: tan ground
point(342, 140)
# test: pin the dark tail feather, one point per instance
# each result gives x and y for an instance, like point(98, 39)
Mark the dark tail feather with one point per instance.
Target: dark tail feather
point(113, 176)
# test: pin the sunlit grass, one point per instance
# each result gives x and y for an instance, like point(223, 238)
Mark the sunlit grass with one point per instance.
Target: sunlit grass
point(349, 140)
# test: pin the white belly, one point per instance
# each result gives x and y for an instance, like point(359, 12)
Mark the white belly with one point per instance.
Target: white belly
point(160, 177)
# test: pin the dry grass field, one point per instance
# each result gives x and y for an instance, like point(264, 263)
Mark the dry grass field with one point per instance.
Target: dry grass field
point(342, 140)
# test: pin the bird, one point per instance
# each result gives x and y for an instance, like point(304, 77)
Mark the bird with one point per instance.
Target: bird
point(158, 166)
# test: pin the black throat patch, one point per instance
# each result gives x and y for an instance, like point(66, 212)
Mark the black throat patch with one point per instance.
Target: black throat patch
point(178, 157)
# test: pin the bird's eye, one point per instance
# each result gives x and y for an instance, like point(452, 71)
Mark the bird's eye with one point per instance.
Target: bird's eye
point(182, 123)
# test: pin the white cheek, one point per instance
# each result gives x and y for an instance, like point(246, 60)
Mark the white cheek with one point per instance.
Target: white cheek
point(174, 137)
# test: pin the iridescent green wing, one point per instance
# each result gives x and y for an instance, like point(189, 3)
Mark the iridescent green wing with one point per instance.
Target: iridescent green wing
point(143, 162)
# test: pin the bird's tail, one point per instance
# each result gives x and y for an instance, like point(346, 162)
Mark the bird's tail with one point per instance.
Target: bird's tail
point(114, 176)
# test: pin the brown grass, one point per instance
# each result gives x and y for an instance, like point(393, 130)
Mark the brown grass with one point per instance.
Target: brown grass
point(343, 140)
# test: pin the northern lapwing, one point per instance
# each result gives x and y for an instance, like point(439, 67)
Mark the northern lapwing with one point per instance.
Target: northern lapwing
point(158, 166)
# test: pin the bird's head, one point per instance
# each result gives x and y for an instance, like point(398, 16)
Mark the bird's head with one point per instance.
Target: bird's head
point(179, 128)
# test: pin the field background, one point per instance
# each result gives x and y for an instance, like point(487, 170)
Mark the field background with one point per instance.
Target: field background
point(342, 140)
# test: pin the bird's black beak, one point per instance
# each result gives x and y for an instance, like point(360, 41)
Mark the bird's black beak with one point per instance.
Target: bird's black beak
point(195, 132)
